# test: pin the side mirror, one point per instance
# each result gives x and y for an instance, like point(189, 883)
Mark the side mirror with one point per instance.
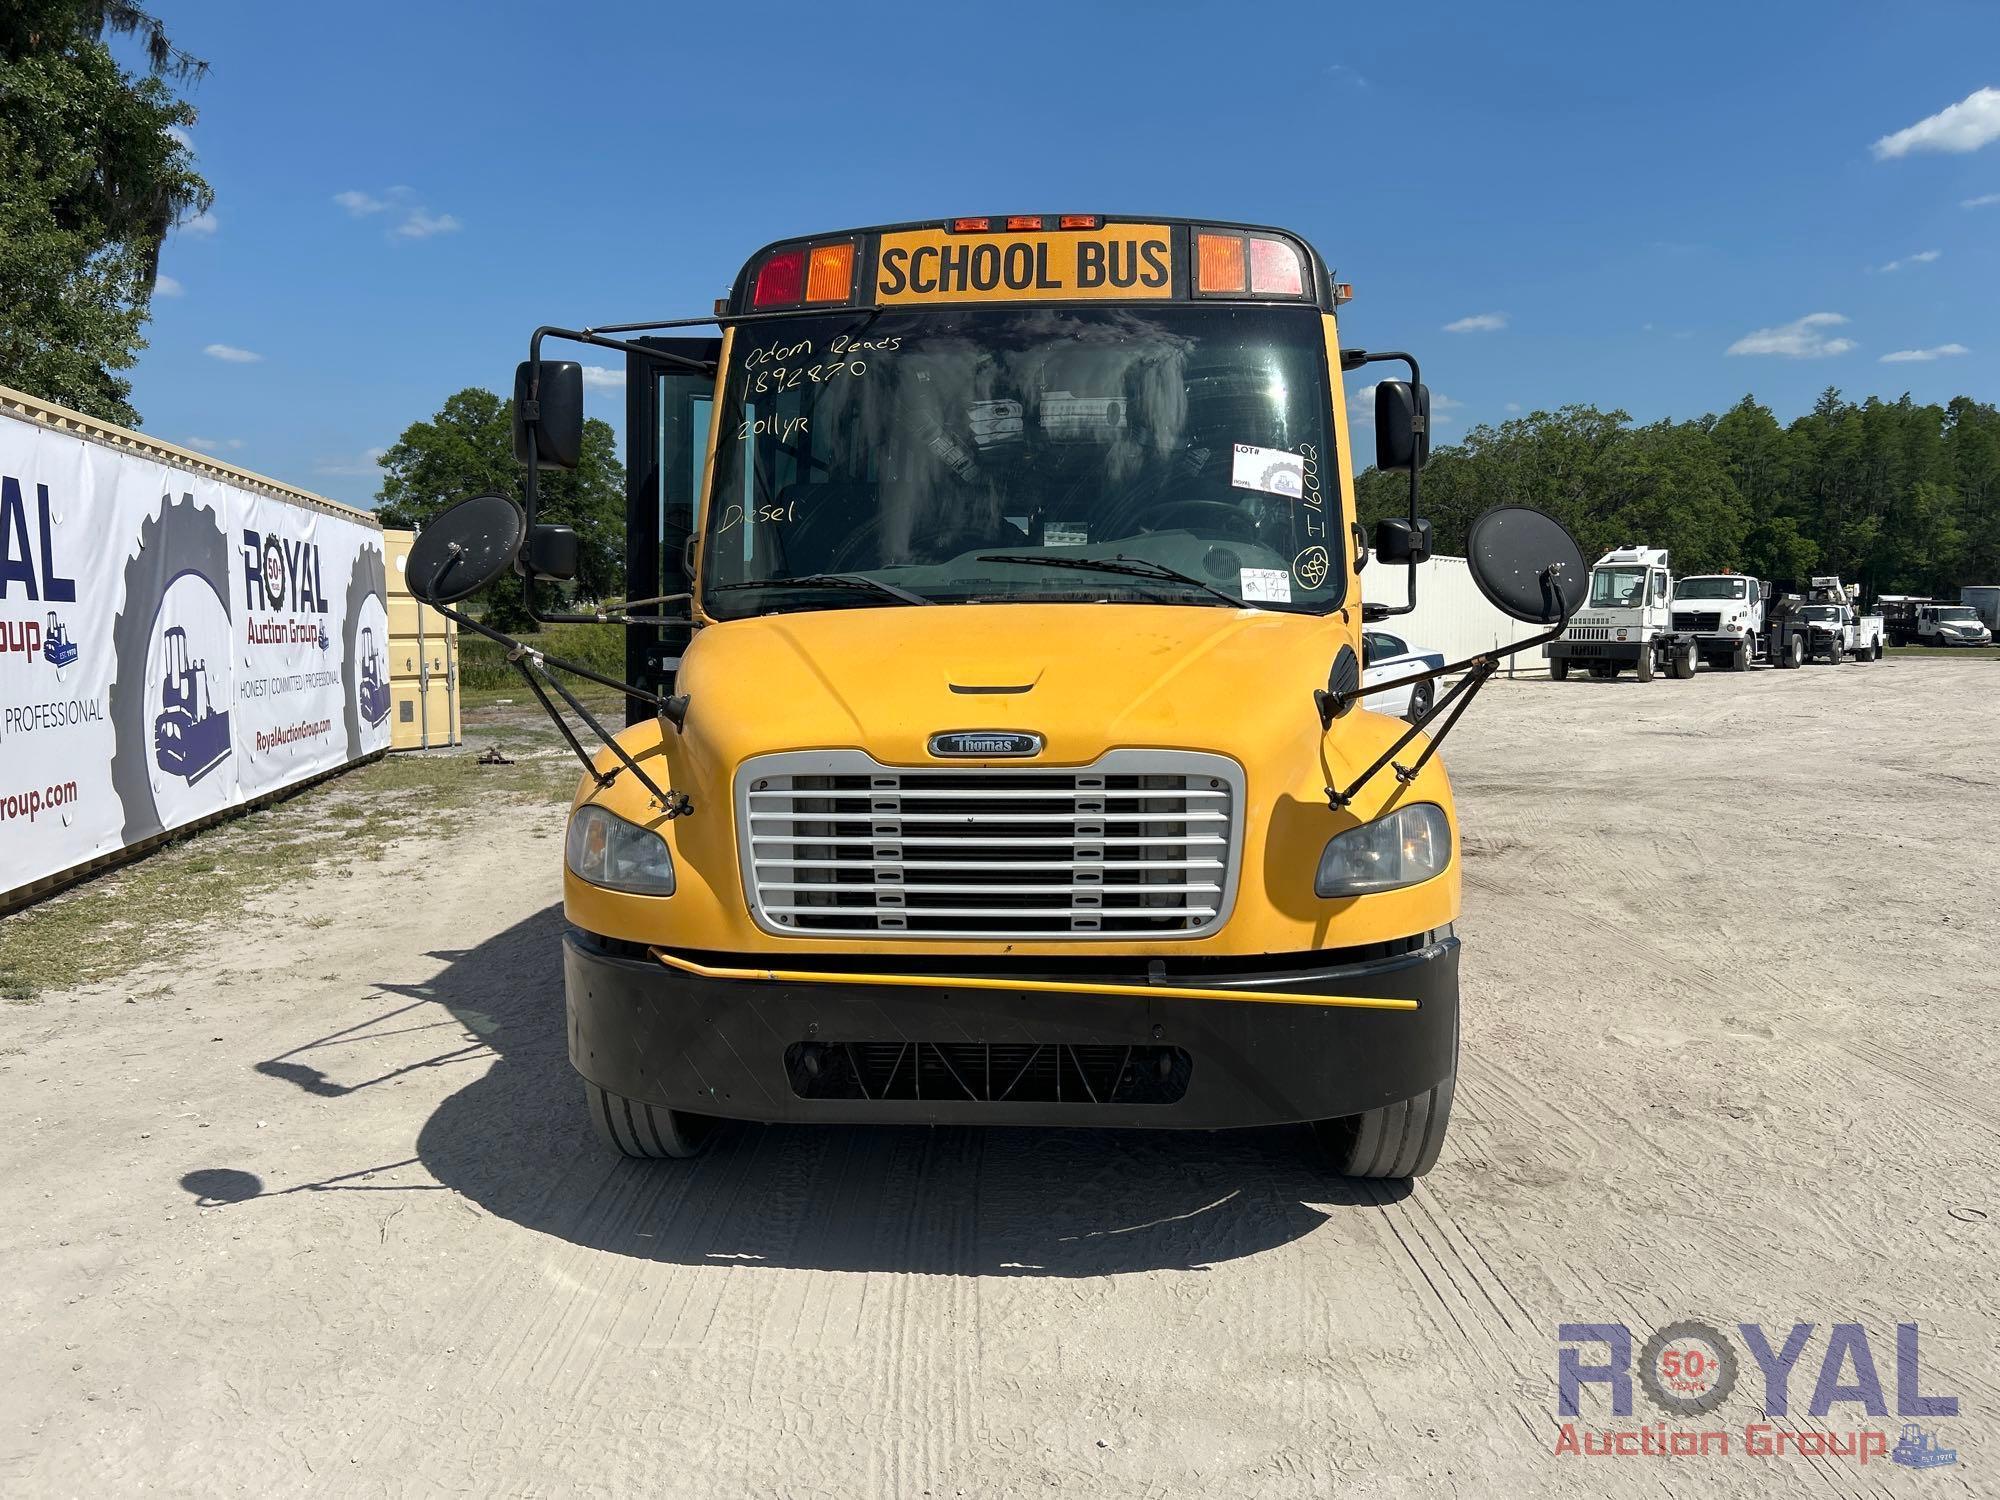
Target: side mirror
point(1402, 425)
point(552, 552)
point(554, 414)
point(1398, 539)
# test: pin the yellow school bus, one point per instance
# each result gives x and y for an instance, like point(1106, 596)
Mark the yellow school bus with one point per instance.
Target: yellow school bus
point(1009, 767)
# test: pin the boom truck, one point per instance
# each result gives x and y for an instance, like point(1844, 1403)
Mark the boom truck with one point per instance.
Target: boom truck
point(1626, 622)
point(997, 749)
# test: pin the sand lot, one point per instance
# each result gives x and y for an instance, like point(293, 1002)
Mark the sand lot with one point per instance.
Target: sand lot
point(316, 1208)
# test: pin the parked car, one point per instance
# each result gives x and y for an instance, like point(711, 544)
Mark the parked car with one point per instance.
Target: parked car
point(1385, 657)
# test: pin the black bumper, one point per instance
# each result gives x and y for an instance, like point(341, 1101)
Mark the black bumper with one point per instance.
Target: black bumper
point(1625, 652)
point(872, 1052)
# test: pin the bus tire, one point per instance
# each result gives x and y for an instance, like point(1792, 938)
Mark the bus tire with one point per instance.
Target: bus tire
point(1397, 1140)
point(646, 1131)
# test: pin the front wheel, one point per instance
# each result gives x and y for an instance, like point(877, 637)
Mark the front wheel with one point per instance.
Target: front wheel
point(1397, 1140)
point(1559, 669)
point(1682, 664)
point(1643, 668)
point(1835, 653)
point(1876, 655)
point(1740, 661)
point(648, 1131)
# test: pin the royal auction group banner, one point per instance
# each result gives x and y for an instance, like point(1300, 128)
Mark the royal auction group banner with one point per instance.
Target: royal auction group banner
point(171, 644)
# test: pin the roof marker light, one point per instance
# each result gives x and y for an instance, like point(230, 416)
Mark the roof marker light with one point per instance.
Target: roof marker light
point(780, 280)
point(1219, 263)
point(1077, 221)
point(830, 275)
point(970, 226)
point(1024, 221)
point(1275, 269)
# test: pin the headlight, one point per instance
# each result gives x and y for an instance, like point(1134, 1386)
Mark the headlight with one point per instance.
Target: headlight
point(1409, 845)
point(621, 856)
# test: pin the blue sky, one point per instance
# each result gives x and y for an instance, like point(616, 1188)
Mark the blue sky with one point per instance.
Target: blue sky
point(1547, 204)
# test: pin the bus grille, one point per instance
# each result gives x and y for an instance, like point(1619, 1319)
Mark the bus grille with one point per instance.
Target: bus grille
point(1142, 844)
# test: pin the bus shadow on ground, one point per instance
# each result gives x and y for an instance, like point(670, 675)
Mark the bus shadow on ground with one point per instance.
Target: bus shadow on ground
point(993, 1201)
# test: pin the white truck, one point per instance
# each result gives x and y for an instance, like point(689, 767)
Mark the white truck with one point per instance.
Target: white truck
point(1626, 621)
point(1838, 629)
point(1926, 622)
point(1724, 612)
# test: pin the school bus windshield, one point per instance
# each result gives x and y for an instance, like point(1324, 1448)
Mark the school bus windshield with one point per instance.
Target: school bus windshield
point(906, 446)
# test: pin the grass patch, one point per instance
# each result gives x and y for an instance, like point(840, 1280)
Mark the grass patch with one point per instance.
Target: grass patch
point(1943, 652)
point(483, 664)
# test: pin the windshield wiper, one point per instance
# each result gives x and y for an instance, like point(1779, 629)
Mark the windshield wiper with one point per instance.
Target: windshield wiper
point(830, 581)
point(1131, 567)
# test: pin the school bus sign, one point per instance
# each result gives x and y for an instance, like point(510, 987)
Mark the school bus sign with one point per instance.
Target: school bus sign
point(1123, 261)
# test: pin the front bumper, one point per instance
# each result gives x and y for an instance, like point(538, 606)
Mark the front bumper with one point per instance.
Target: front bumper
point(1626, 652)
point(876, 1051)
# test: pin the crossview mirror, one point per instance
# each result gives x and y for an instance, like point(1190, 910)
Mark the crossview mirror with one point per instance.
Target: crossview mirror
point(1398, 539)
point(464, 548)
point(1526, 564)
point(548, 415)
point(1402, 425)
point(552, 552)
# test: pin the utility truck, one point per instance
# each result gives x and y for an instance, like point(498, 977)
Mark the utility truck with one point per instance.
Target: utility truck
point(998, 750)
point(1837, 629)
point(1626, 621)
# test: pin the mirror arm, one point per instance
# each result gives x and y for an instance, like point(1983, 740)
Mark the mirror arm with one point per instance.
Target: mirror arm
point(534, 666)
point(1461, 692)
point(1333, 704)
point(1354, 359)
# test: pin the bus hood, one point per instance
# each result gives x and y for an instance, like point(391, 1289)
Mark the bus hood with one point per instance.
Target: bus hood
point(1087, 678)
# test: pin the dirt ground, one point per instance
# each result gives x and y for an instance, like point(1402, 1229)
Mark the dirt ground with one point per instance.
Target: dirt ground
point(315, 1209)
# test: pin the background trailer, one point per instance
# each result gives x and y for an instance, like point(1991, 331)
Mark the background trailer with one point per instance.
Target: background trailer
point(178, 638)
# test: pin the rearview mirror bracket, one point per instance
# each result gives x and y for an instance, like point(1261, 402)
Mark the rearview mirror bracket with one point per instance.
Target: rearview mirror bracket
point(1408, 433)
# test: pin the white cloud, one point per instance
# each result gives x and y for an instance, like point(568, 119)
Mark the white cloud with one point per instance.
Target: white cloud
point(1804, 339)
point(1923, 356)
point(420, 224)
point(1513, 408)
point(213, 445)
point(1984, 200)
point(180, 137)
point(367, 466)
point(1361, 407)
point(1921, 258)
point(231, 355)
point(166, 286)
point(414, 221)
point(603, 378)
point(1965, 126)
point(1478, 323)
point(201, 224)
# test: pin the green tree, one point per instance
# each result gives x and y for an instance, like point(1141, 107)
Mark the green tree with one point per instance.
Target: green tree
point(95, 174)
point(468, 448)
